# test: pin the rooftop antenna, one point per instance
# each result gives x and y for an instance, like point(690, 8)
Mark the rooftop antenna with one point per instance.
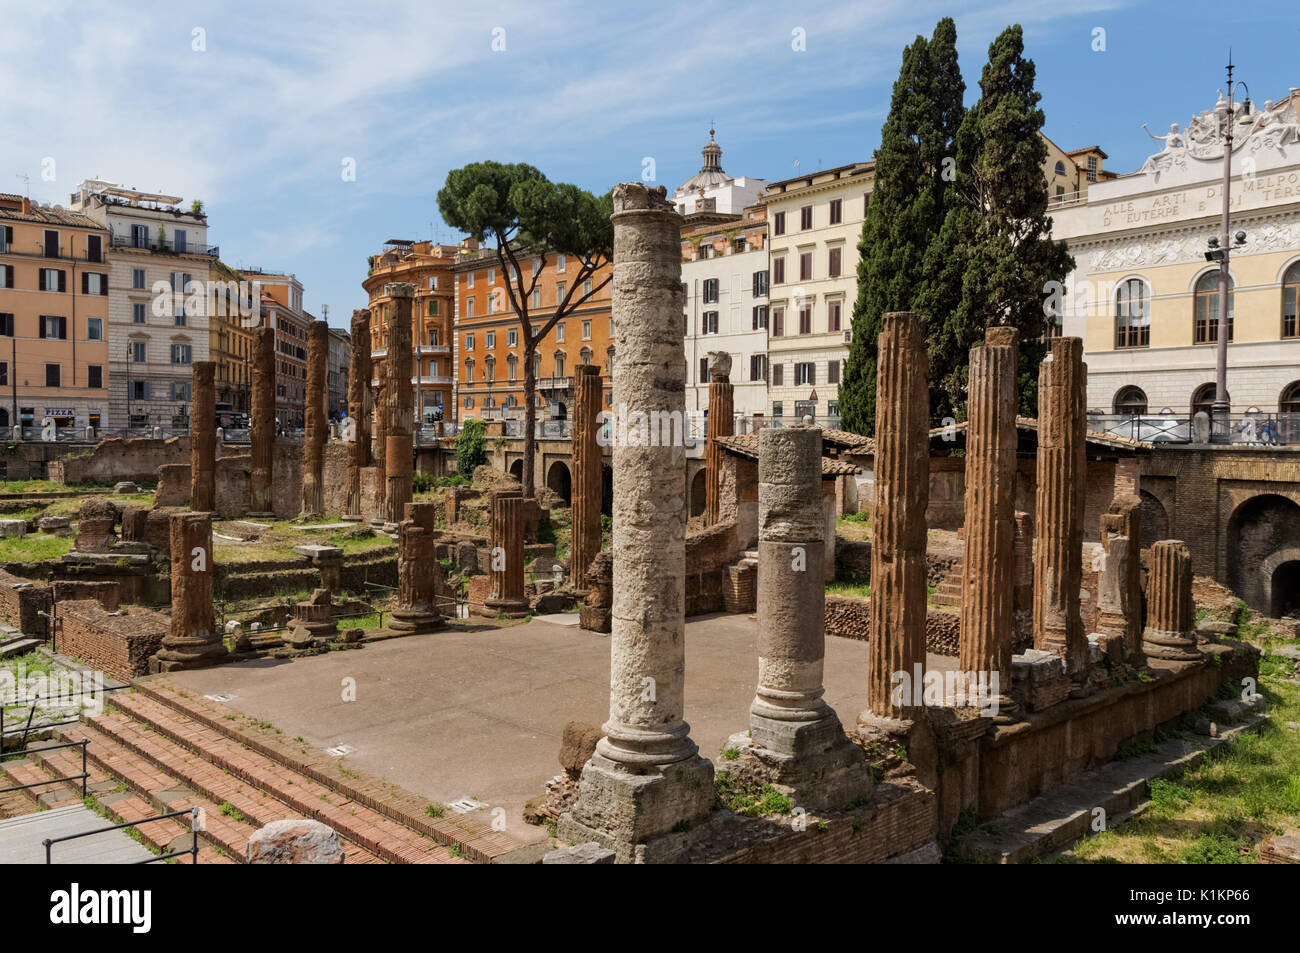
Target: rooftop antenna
point(325, 313)
point(27, 182)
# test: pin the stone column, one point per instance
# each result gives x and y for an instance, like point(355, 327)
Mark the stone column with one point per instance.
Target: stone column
point(506, 559)
point(419, 574)
point(193, 640)
point(722, 423)
point(315, 420)
point(646, 776)
point(902, 491)
point(1119, 591)
point(399, 448)
point(262, 424)
point(380, 446)
point(203, 439)
point(1062, 479)
point(1023, 613)
point(988, 564)
point(1170, 631)
point(359, 406)
point(586, 473)
point(792, 731)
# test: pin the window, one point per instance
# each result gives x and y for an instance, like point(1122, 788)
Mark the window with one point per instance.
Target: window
point(6, 237)
point(492, 276)
point(140, 390)
point(1289, 403)
point(758, 367)
point(469, 401)
point(180, 319)
point(833, 264)
point(585, 355)
point(760, 317)
point(94, 248)
point(6, 276)
point(512, 364)
point(805, 319)
point(705, 250)
point(140, 236)
point(489, 339)
point(1203, 399)
point(4, 373)
point(1290, 300)
point(805, 372)
point(805, 217)
point(704, 370)
point(469, 370)
point(778, 380)
point(94, 329)
point(489, 370)
point(51, 243)
point(1060, 168)
point(805, 266)
point(710, 323)
point(837, 211)
point(1132, 314)
point(6, 325)
point(560, 288)
point(182, 354)
point(138, 352)
point(1131, 402)
point(1206, 329)
point(778, 322)
point(537, 297)
point(182, 390)
point(1092, 175)
point(586, 330)
point(559, 334)
point(760, 284)
point(778, 271)
point(833, 372)
point(537, 266)
point(137, 314)
point(53, 279)
point(512, 338)
point(95, 375)
point(559, 364)
point(559, 264)
point(53, 327)
point(833, 309)
point(778, 224)
point(433, 307)
point(586, 288)
point(710, 290)
point(469, 279)
point(433, 282)
point(469, 342)
point(53, 375)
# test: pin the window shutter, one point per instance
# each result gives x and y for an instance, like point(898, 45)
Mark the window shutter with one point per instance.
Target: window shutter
point(63, 329)
point(85, 282)
point(63, 281)
point(40, 326)
point(103, 285)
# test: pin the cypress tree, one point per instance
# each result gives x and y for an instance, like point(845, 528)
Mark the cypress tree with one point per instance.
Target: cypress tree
point(994, 258)
point(912, 174)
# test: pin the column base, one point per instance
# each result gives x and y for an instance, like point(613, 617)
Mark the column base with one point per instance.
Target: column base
point(414, 623)
point(1172, 646)
point(179, 654)
point(510, 608)
point(643, 814)
point(913, 735)
point(813, 763)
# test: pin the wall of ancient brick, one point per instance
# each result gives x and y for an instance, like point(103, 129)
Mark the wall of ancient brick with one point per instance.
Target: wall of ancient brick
point(118, 643)
point(21, 604)
point(850, 618)
point(114, 460)
point(708, 553)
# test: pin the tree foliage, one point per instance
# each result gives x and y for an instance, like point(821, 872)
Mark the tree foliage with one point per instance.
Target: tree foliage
point(471, 451)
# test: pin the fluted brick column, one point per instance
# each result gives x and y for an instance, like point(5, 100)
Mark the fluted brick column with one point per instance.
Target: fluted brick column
point(902, 491)
point(988, 564)
point(1062, 484)
point(506, 559)
point(203, 439)
point(398, 438)
point(359, 407)
point(192, 641)
point(419, 574)
point(262, 424)
point(722, 423)
point(1119, 591)
point(586, 473)
point(380, 448)
point(1170, 631)
point(646, 776)
point(315, 426)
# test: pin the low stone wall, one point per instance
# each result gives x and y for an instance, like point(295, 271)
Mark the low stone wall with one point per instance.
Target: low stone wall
point(239, 582)
point(708, 554)
point(107, 594)
point(118, 643)
point(21, 604)
point(114, 460)
point(850, 618)
point(233, 480)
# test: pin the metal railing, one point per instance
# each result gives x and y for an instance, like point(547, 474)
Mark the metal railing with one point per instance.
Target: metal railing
point(192, 850)
point(1256, 429)
point(169, 246)
point(85, 773)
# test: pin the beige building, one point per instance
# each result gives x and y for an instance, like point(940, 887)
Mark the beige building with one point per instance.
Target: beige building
point(814, 223)
point(1145, 299)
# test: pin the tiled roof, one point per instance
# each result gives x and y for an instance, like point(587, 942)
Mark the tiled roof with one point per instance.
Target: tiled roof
point(1030, 424)
point(47, 215)
point(746, 445)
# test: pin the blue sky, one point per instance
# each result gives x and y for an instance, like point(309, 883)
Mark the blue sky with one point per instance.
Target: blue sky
point(259, 123)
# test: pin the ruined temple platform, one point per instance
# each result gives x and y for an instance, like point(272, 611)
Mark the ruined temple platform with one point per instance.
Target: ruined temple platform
point(480, 714)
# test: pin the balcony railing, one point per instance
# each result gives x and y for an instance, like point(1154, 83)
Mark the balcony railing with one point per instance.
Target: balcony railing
point(1259, 429)
point(555, 383)
point(167, 247)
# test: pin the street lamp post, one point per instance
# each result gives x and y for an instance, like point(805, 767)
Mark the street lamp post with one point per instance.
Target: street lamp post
point(1220, 250)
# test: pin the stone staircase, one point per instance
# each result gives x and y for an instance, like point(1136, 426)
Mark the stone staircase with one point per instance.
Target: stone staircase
point(13, 642)
point(948, 592)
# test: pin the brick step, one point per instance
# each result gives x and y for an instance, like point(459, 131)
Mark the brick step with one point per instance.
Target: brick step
point(152, 764)
point(27, 771)
point(223, 756)
point(123, 807)
point(473, 833)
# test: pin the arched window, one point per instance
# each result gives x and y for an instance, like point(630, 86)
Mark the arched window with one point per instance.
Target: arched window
point(1203, 399)
point(469, 370)
point(585, 355)
point(1291, 301)
point(559, 363)
point(489, 369)
point(1131, 402)
point(512, 367)
point(1132, 315)
point(1207, 309)
point(609, 362)
point(1060, 168)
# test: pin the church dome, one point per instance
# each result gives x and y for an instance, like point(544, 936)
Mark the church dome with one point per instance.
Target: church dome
point(710, 175)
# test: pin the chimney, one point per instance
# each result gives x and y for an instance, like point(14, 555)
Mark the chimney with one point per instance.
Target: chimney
point(27, 206)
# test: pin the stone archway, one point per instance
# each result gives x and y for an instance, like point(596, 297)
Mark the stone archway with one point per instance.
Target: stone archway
point(560, 481)
point(1262, 532)
point(698, 492)
point(517, 470)
point(1280, 574)
point(1155, 521)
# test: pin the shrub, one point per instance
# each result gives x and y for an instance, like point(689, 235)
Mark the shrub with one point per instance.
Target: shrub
point(470, 447)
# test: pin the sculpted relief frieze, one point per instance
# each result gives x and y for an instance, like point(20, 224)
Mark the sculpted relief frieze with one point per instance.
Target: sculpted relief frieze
point(1267, 237)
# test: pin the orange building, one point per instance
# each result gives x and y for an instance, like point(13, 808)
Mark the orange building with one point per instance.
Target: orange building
point(54, 312)
point(429, 268)
point(488, 347)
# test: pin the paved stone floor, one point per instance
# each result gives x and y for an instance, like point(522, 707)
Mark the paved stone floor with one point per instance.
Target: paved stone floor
point(480, 713)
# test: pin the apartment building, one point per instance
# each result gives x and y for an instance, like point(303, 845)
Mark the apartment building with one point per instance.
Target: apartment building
point(157, 318)
point(232, 302)
point(340, 358)
point(281, 309)
point(54, 309)
point(430, 268)
point(814, 223)
point(488, 348)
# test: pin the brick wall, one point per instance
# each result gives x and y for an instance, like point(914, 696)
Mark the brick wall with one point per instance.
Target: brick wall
point(21, 602)
point(708, 553)
point(118, 643)
point(850, 618)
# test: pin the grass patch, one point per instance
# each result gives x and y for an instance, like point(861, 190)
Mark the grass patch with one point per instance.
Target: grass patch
point(30, 549)
point(855, 590)
point(748, 799)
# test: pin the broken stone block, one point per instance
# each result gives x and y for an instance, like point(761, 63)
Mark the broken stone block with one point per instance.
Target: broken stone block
point(58, 525)
point(298, 637)
point(12, 528)
point(295, 841)
point(590, 853)
point(126, 487)
point(577, 745)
